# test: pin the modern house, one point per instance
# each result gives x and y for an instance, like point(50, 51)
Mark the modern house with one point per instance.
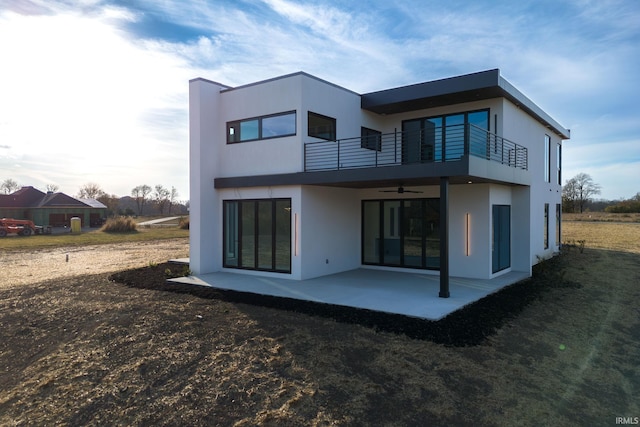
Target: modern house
point(51, 209)
point(297, 177)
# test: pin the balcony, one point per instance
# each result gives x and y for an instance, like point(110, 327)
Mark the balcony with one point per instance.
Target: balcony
point(436, 145)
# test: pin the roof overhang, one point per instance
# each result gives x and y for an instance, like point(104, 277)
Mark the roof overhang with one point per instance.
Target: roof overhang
point(456, 90)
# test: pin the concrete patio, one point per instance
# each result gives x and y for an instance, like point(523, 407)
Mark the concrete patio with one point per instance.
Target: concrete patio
point(409, 294)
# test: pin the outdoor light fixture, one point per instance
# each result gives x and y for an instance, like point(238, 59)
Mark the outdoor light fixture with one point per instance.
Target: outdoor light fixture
point(468, 227)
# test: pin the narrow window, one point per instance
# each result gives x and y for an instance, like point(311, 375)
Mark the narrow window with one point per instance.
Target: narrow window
point(547, 156)
point(370, 139)
point(558, 223)
point(559, 162)
point(546, 225)
point(322, 127)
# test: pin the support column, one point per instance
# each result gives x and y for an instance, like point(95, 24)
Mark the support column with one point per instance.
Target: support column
point(444, 237)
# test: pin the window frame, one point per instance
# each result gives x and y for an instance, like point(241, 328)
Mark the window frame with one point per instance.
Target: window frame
point(237, 124)
point(547, 158)
point(546, 226)
point(332, 126)
point(559, 162)
point(238, 223)
point(370, 139)
point(558, 224)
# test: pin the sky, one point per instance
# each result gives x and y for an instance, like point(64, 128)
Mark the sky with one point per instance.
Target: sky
point(96, 91)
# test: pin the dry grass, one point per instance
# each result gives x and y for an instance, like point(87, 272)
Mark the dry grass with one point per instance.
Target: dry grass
point(93, 237)
point(623, 237)
point(84, 351)
point(601, 216)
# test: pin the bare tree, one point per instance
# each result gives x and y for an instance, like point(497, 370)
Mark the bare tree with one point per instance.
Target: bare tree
point(579, 190)
point(90, 190)
point(111, 202)
point(52, 188)
point(9, 186)
point(161, 196)
point(140, 194)
point(172, 197)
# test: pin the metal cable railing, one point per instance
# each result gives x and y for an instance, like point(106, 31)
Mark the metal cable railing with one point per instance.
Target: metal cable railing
point(446, 144)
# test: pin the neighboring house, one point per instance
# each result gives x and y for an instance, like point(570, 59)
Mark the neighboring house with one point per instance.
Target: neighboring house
point(54, 209)
point(297, 177)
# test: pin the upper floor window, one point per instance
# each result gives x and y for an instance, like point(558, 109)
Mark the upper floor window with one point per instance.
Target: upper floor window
point(370, 139)
point(322, 127)
point(559, 162)
point(263, 127)
point(547, 158)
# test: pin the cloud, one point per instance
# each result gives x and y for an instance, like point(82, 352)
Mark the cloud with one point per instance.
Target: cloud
point(86, 97)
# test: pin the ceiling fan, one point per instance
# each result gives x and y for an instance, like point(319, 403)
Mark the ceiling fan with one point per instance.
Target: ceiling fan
point(400, 190)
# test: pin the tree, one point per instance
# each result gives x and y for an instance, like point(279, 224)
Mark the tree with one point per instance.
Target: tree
point(111, 202)
point(140, 194)
point(579, 190)
point(52, 188)
point(90, 190)
point(161, 196)
point(9, 186)
point(172, 197)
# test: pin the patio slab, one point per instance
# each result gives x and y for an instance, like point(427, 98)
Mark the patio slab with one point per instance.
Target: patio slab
point(407, 294)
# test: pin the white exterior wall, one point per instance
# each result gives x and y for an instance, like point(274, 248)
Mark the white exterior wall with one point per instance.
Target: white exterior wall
point(329, 231)
point(472, 199)
point(519, 127)
point(204, 105)
point(278, 155)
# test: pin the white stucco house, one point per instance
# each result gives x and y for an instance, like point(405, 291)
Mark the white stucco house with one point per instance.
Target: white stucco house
point(297, 177)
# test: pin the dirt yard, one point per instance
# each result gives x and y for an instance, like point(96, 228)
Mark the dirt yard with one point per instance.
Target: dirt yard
point(77, 348)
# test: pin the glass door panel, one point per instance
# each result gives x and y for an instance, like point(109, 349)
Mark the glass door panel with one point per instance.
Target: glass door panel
point(371, 243)
point(248, 234)
point(412, 141)
point(231, 234)
point(413, 233)
point(391, 229)
point(454, 137)
point(432, 233)
point(283, 235)
point(501, 244)
point(265, 234)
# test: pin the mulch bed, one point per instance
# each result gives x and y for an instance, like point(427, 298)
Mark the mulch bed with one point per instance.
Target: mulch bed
point(468, 326)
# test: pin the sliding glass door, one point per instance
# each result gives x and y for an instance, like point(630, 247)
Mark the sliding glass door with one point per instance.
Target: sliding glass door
point(257, 234)
point(401, 233)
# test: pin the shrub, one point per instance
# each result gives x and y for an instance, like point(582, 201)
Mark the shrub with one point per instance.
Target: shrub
point(120, 225)
point(184, 223)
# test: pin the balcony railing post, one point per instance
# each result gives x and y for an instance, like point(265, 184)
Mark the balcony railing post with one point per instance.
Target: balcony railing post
point(467, 137)
point(395, 145)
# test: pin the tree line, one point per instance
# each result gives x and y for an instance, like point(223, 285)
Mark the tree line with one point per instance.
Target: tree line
point(159, 198)
point(578, 195)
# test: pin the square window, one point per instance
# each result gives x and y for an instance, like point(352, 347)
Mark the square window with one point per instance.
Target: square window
point(322, 127)
point(370, 139)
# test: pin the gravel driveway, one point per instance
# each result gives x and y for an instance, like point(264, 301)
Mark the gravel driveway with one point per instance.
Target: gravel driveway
point(32, 266)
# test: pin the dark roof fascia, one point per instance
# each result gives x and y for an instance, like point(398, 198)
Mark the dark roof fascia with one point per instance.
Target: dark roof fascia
point(286, 76)
point(482, 85)
point(423, 173)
